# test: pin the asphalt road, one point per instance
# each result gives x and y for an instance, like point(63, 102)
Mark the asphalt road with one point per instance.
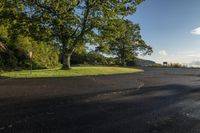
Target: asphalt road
point(156, 101)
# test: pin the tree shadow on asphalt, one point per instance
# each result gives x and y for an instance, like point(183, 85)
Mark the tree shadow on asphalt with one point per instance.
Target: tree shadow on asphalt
point(150, 109)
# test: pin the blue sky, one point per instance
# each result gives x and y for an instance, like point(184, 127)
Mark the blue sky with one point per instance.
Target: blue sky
point(171, 28)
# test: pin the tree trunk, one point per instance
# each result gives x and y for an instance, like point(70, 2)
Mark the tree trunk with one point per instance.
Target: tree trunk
point(123, 56)
point(66, 57)
point(123, 62)
point(66, 62)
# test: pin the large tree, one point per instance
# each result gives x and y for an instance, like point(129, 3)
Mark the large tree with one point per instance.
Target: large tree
point(72, 23)
point(130, 44)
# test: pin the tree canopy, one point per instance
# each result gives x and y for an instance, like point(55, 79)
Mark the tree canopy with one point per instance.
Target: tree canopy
point(76, 22)
point(70, 25)
point(128, 45)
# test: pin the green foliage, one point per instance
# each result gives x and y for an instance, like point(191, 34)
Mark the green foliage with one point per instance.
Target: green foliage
point(44, 55)
point(79, 56)
point(131, 61)
point(129, 44)
point(76, 22)
point(3, 37)
point(15, 56)
point(12, 57)
point(3, 33)
point(51, 28)
point(96, 58)
point(111, 61)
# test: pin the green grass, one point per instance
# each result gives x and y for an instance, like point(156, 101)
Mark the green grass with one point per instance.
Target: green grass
point(75, 71)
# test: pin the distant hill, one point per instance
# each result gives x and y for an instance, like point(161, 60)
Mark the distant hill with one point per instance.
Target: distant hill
point(142, 62)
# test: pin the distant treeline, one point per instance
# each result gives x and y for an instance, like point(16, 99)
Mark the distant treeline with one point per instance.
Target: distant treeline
point(170, 65)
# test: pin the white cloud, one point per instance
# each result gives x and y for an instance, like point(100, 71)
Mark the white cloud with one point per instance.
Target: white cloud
point(163, 53)
point(196, 31)
point(194, 55)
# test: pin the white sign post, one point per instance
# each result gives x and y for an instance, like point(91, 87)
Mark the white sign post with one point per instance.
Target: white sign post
point(30, 57)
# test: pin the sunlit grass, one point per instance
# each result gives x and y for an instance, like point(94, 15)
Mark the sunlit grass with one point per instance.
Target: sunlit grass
point(75, 71)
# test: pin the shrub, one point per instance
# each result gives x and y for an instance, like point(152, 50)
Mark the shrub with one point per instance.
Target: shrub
point(96, 58)
point(45, 55)
point(79, 56)
point(8, 59)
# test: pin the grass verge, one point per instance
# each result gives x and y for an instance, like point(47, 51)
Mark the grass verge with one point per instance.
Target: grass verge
point(75, 71)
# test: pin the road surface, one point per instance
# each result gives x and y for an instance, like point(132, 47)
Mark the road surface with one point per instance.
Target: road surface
point(160, 100)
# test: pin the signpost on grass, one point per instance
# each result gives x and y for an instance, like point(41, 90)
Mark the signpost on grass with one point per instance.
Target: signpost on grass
point(30, 57)
point(165, 64)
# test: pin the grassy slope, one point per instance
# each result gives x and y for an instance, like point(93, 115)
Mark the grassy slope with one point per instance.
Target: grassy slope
point(75, 71)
